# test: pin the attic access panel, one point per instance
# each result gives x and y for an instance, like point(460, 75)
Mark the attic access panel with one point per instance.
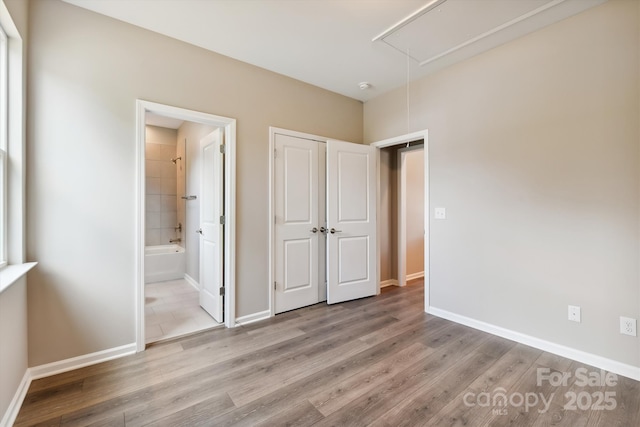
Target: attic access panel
point(444, 26)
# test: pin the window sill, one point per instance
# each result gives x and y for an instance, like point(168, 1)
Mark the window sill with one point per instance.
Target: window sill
point(12, 272)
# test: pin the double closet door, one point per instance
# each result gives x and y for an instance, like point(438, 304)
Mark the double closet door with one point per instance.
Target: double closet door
point(325, 222)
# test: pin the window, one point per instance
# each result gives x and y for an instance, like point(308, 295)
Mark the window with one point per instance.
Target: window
point(4, 101)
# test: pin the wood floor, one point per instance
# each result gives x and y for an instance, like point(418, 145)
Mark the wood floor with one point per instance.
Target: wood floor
point(378, 361)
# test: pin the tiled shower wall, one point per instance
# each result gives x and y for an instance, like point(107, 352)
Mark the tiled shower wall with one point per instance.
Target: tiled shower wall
point(161, 185)
point(181, 169)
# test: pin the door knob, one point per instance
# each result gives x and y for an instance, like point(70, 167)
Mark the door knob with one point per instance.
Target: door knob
point(314, 230)
point(199, 230)
point(323, 230)
point(333, 231)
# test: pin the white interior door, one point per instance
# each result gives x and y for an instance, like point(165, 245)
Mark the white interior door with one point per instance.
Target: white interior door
point(211, 233)
point(297, 222)
point(322, 220)
point(351, 221)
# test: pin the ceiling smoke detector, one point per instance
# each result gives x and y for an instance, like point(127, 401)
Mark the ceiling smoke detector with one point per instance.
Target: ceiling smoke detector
point(364, 85)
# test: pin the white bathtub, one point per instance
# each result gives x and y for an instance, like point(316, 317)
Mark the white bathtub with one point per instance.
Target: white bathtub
point(164, 262)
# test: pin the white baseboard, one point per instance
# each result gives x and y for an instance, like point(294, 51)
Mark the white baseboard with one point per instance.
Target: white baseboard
point(81, 361)
point(610, 365)
point(59, 367)
point(390, 282)
point(418, 275)
point(192, 282)
point(255, 317)
point(16, 403)
point(162, 277)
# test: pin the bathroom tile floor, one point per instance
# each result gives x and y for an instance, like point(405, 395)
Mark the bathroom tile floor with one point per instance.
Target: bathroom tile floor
point(172, 309)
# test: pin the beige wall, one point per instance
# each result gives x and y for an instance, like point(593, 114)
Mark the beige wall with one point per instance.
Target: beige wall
point(13, 336)
point(85, 73)
point(534, 152)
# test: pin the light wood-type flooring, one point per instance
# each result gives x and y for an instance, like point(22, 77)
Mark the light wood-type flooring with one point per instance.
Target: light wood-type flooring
point(378, 361)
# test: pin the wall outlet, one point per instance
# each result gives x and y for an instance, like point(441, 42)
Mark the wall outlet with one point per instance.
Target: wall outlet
point(440, 213)
point(574, 313)
point(628, 326)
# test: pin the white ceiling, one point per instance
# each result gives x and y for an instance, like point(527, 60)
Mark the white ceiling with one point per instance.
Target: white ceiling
point(328, 43)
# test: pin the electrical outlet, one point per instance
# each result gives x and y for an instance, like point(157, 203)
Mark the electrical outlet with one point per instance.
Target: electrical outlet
point(628, 326)
point(440, 213)
point(574, 313)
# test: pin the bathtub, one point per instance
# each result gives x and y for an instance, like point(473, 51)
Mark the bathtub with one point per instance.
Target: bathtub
point(164, 262)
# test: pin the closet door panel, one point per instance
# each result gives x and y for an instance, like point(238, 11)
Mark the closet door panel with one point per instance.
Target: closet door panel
point(351, 221)
point(297, 224)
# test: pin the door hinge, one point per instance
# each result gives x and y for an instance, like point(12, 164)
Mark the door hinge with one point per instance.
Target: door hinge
point(223, 148)
point(275, 153)
point(222, 290)
point(222, 219)
point(275, 285)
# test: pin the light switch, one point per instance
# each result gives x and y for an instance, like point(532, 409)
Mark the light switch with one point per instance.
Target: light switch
point(440, 213)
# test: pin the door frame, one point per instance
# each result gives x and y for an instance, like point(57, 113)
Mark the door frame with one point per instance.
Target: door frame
point(402, 213)
point(272, 208)
point(402, 140)
point(229, 126)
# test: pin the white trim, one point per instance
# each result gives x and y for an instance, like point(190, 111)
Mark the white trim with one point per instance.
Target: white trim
point(4, 190)
point(59, 367)
point(413, 276)
point(4, 143)
point(379, 226)
point(229, 125)
point(255, 317)
point(78, 362)
point(16, 146)
point(275, 130)
point(140, 222)
point(192, 282)
point(390, 282)
point(407, 20)
point(398, 140)
point(271, 229)
point(610, 365)
point(13, 409)
point(13, 272)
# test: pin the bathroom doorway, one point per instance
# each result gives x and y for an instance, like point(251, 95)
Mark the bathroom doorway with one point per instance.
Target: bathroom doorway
point(173, 193)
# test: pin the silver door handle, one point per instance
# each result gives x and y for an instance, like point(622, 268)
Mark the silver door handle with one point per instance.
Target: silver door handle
point(333, 230)
point(199, 230)
point(323, 230)
point(314, 230)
